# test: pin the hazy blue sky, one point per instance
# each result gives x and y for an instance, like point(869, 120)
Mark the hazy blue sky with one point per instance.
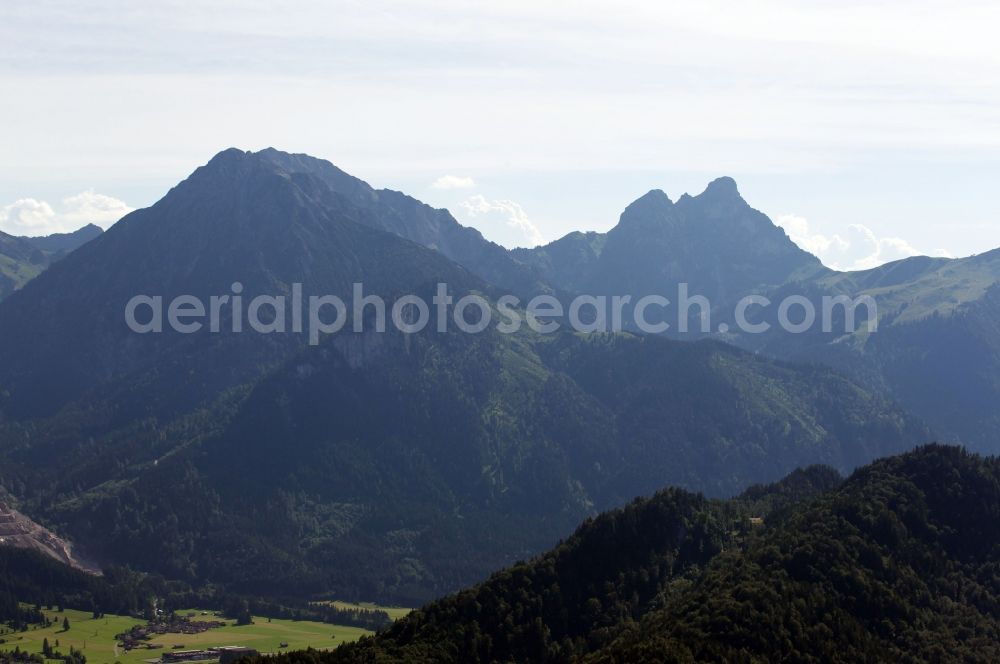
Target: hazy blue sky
point(869, 130)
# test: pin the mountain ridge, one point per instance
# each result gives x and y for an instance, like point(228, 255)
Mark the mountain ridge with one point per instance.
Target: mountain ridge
point(374, 465)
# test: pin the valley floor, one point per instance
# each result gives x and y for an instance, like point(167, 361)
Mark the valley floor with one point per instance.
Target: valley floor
point(96, 636)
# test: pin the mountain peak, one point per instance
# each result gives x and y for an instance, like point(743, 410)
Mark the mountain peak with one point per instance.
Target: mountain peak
point(234, 164)
point(723, 187)
point(654, 204)
point(228, 156)
point(287, 161)
point(654, 197)
point(235, 156)
point(334, 193)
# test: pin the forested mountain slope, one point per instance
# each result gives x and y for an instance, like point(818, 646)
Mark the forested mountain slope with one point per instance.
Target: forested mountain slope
point(897, 563)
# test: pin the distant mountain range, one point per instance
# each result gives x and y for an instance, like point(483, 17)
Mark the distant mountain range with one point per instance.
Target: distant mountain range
point(937, 350)
point(401, 466)
point(24, 258)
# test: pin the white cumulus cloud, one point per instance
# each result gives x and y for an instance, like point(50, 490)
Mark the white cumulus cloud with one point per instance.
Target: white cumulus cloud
point(859, 248)
point(29, 216)
point(453, 182)
point(881, 249)
point(815, 243)
point(502, 221)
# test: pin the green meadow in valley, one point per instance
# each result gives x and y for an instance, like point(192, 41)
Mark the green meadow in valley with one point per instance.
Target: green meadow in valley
point(96, 636)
